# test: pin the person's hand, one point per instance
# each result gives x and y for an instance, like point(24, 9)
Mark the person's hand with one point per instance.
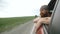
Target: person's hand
point(36, 20)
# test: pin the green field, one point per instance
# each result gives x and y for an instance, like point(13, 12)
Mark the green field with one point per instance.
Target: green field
point(9, 23)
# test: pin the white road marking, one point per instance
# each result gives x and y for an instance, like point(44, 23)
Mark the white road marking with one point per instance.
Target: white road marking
point(33, 29)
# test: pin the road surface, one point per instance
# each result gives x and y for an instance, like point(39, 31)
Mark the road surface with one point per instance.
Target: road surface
point(21, 29)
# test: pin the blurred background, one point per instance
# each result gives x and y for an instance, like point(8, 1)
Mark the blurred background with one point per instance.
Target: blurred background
point(15, 15)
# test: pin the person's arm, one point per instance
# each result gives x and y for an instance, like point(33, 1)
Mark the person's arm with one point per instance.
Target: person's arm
point(41, 21)
point(36, 19)
point(46, 20)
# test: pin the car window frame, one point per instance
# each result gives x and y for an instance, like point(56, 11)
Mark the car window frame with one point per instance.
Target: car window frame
point(52, 16)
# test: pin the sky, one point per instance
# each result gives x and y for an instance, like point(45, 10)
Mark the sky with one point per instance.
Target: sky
point(19, 8)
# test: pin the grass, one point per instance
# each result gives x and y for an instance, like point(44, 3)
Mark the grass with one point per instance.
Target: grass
point(9, 23)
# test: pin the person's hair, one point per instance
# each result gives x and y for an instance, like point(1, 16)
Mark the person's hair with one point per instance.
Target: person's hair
point(45, 7)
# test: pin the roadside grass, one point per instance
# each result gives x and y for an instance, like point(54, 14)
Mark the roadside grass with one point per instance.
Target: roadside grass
point(8, 23)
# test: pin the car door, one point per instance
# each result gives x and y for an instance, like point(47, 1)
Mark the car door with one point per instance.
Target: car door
point(54, 23)
point(54, 27)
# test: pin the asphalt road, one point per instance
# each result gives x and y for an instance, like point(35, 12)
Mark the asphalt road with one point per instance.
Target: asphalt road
point(21, 29)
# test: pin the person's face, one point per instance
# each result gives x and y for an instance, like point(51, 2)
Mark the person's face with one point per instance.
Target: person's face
point(43, 12)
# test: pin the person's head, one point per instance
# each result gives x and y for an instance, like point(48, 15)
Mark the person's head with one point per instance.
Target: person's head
point(44, 11)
